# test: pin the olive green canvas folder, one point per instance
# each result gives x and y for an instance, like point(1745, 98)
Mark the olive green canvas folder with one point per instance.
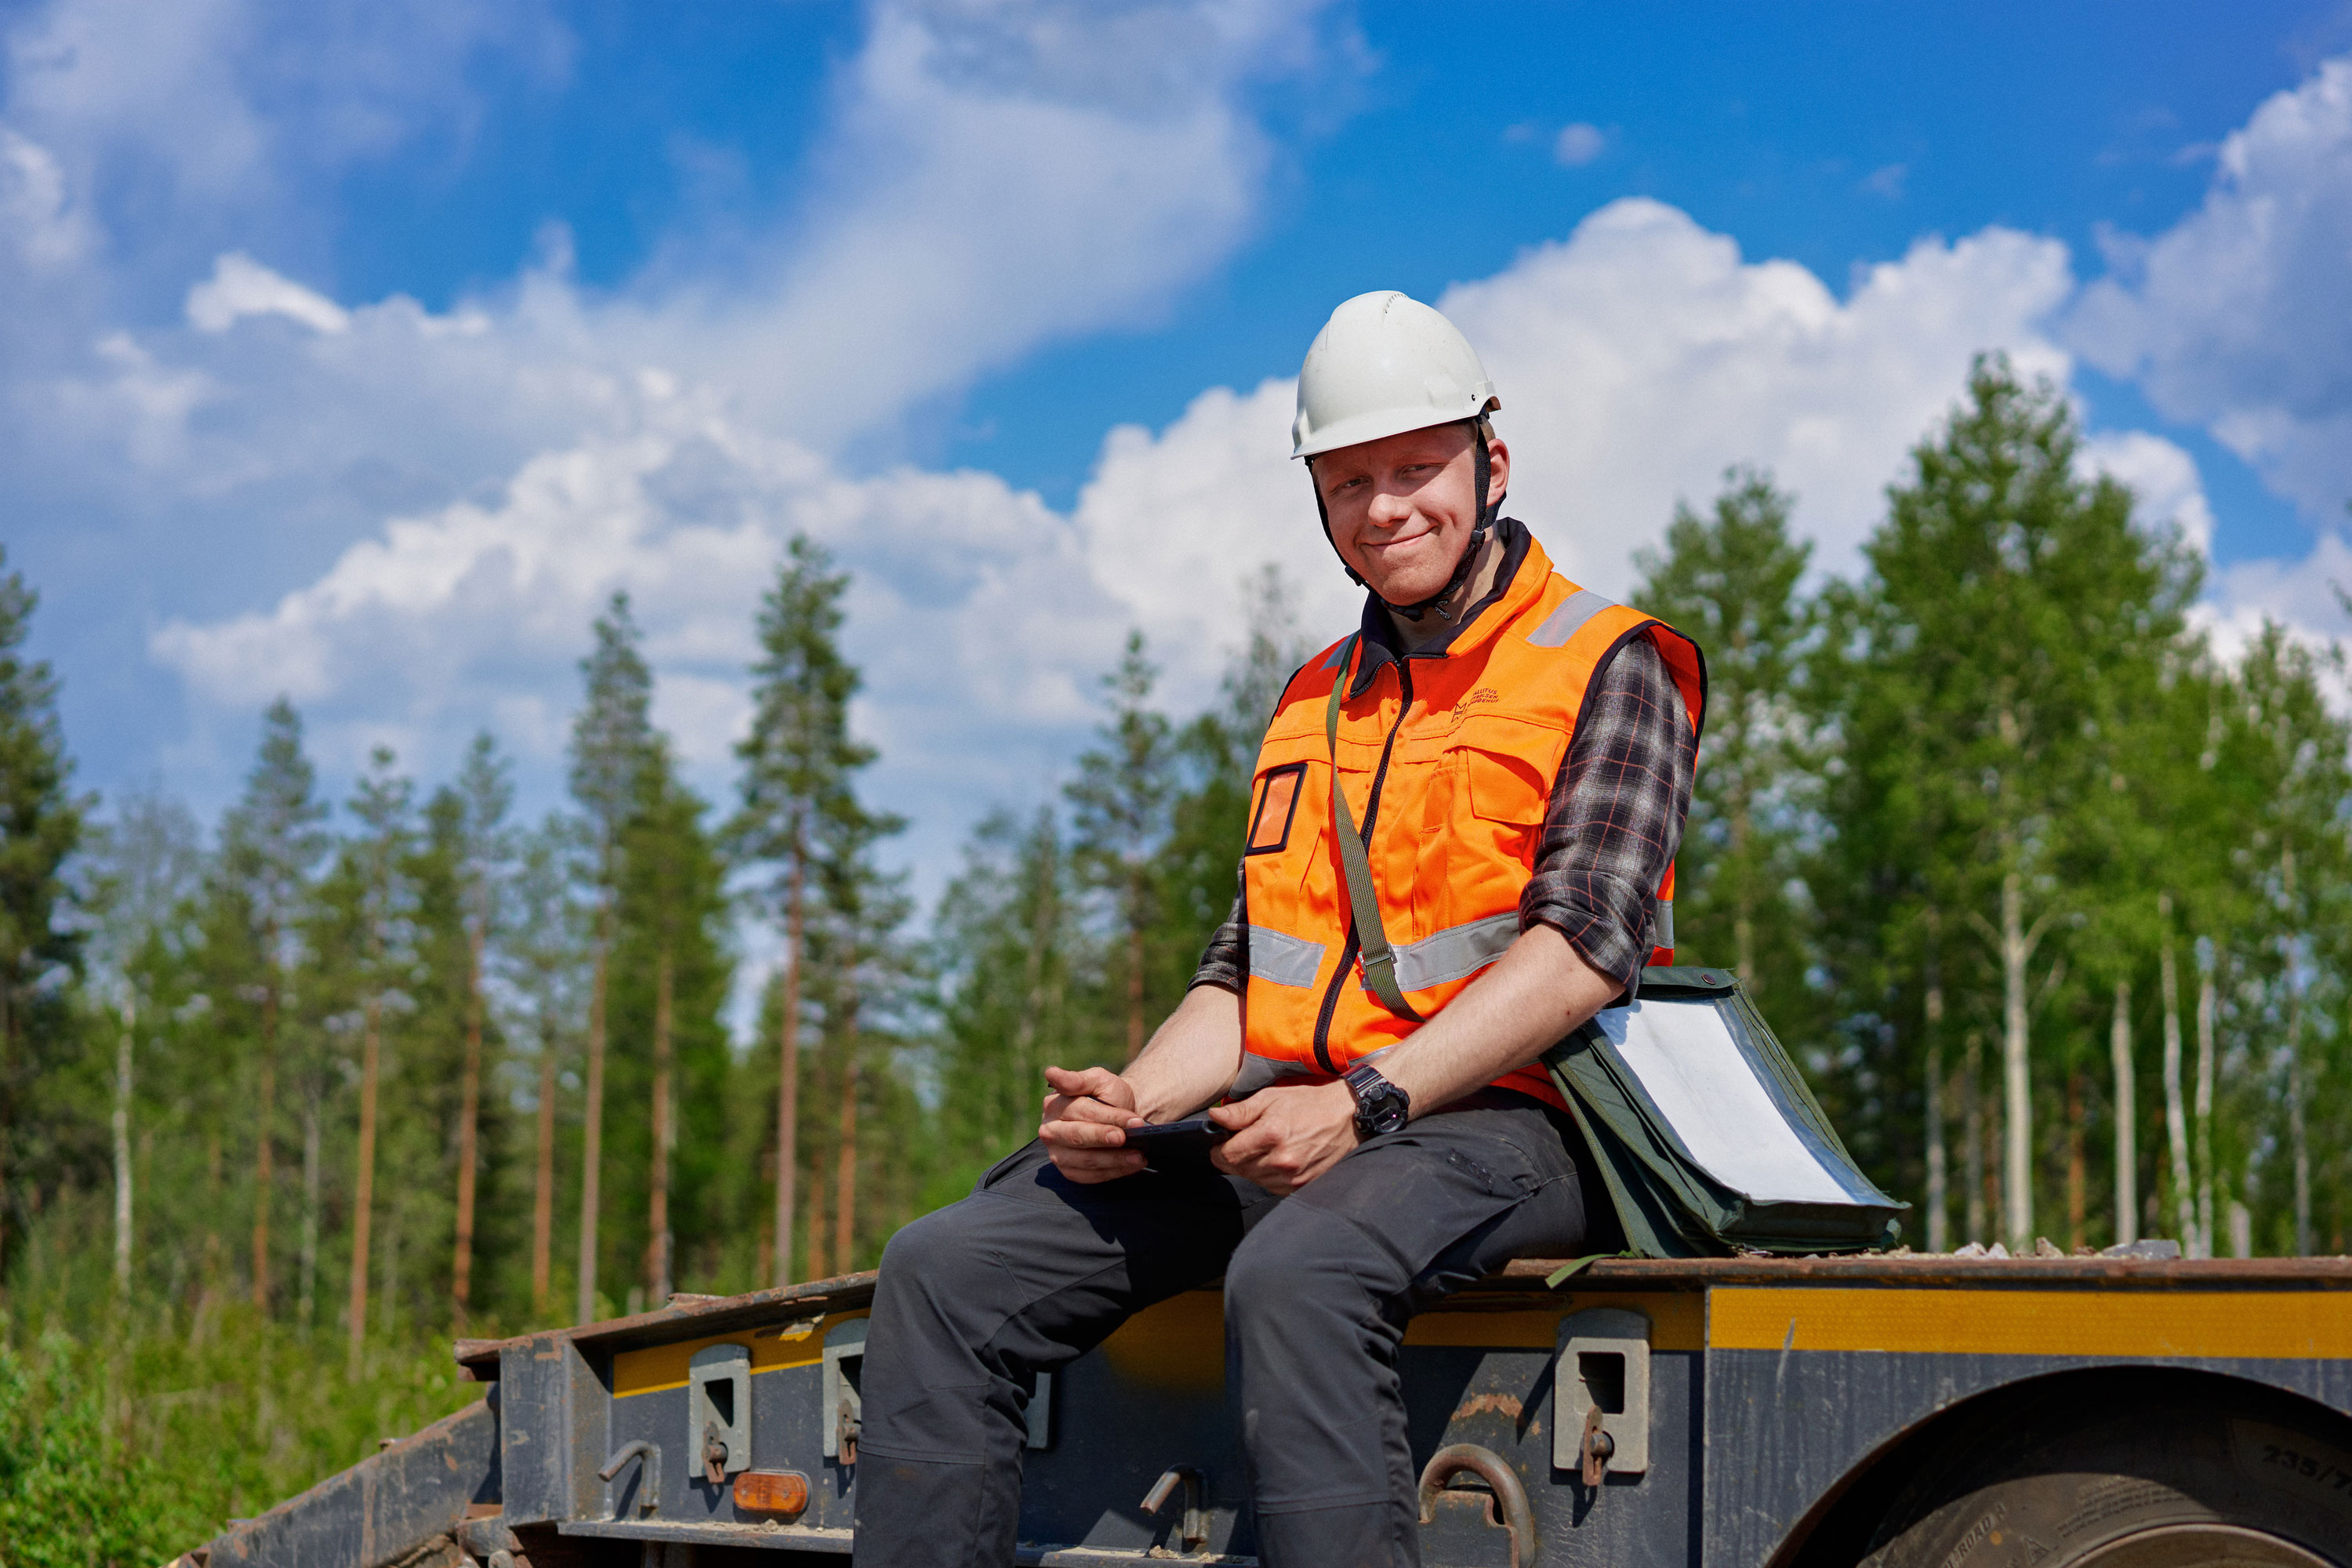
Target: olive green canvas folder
point(1704, 1134)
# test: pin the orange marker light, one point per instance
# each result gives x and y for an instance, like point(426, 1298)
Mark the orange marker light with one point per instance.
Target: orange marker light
point(771, 1492)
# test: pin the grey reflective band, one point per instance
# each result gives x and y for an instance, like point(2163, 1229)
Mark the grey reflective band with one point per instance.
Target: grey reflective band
point(1663, 932)
point(1569, 619)
point(1455, 951)
point(1338, 658)
point(1262, 1072)
point(1279, 958)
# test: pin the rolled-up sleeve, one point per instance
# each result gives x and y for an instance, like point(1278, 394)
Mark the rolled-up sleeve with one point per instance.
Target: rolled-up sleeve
point(1616, 814)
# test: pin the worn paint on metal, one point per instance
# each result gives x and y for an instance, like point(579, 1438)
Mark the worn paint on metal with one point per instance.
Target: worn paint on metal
point(389, 1507)
point(2224, 1324)
point(655, 1367)
point(1176, 1344)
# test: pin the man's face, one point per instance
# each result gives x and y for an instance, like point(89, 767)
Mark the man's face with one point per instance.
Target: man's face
point(1401, 508)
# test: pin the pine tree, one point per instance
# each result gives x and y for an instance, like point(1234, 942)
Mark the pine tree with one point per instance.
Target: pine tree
point(40, 823)
point(382, 802)
point(863, 971)
point(271, 845)
point(544, 955)
point(484, 793)
point(799, 762)
point(1121, 803)
point(611, 738)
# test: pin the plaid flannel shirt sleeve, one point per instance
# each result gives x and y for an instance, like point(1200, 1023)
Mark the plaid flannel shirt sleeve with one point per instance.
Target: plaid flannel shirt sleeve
point(1613, 824)
point(1225, 964)
point(1616, 814)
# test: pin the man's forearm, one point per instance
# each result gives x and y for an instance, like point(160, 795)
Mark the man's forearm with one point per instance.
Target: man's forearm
point(1193, 1058)
point(1537, 992)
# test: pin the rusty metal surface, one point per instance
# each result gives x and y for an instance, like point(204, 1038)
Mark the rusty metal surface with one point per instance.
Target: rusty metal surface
point(1697, 1273)
point(689, 1317)
point(387, 1509)
point(686, 1318)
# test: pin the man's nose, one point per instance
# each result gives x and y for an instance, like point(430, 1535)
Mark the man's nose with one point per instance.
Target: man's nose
point(1389, 509)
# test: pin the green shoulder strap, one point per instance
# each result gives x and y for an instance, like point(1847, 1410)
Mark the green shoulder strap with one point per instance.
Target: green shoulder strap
point(1371, 937)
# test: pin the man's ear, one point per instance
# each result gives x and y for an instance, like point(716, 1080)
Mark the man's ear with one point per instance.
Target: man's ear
point(1498, 470)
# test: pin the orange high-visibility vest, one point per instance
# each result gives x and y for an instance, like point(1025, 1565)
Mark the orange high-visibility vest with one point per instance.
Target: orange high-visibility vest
point(1448, 762)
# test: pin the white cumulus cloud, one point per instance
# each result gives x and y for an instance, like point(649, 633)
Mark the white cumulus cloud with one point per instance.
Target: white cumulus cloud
point(2238, 318)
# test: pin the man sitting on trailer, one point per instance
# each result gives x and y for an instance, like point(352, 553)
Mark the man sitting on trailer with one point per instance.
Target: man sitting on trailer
point(1460, 848)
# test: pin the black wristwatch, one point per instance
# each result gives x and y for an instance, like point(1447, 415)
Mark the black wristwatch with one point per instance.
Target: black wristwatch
point(1381, 1106)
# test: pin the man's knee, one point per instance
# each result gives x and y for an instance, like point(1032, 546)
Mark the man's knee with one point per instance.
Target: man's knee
point(1299, 1259)
point(939, 1258)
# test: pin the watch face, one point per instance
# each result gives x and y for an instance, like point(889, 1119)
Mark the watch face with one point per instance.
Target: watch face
point(1381, 1106)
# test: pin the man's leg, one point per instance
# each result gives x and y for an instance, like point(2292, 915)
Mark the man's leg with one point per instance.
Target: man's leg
point(1316, 1302)
point(974, 1300)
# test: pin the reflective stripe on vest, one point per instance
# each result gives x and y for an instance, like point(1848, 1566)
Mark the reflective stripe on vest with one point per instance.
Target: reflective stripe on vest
point(1465, 774)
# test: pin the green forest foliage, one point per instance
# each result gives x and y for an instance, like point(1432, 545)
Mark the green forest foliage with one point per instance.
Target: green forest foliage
point(2049, 900)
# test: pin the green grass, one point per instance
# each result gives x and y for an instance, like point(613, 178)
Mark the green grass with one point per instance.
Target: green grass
point(126, 1440)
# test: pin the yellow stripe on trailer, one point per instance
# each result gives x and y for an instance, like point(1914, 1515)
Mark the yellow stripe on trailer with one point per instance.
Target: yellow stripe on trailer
point(2202, 1324)
point(657, 1367)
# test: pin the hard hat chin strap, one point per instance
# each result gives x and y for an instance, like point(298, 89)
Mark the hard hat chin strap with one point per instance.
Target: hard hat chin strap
point(1482, 479)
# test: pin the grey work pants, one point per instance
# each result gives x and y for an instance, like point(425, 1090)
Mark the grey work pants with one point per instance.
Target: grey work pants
point(1032, 1270)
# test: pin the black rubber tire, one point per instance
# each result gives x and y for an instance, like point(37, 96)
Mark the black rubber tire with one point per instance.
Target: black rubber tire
point(2218, 1482)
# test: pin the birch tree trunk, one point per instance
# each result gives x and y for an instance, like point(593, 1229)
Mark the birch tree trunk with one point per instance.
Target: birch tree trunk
point(2175, 1112)
point(2205, 1003)
point(1972, 1132)
point(2120, 1049)
point(2017, 1096)
point(2077, 1161)
point(2298, 1139)
point(787, 1068)
point(1938, 1217)
point(123, 1153)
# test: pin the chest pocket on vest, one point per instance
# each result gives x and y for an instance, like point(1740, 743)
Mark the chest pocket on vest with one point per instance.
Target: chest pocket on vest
point(1506, 799)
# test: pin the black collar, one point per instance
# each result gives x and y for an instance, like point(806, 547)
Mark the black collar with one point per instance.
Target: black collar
point(1376, 633)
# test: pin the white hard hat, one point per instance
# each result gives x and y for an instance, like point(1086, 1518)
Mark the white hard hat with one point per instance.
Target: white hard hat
point(1384, 364)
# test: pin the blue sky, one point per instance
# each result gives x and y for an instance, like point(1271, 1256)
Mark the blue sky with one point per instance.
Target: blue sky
point(358, 353)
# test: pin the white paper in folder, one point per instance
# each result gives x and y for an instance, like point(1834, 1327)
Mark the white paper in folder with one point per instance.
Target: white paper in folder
point(1687, 1059)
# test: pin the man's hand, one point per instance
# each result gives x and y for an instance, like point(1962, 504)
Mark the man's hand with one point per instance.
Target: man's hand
point(1085, 1122)
point(1288, 1135)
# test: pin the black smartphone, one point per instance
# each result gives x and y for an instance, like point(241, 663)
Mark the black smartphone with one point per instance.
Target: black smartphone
point(1178, 1145)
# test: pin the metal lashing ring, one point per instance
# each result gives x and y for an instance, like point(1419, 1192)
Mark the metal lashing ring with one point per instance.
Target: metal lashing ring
point(1457, 1459)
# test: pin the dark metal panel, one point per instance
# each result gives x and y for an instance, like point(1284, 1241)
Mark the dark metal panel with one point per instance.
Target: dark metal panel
point(1782, 1427)
point(552, 1413)
point(379, 1510)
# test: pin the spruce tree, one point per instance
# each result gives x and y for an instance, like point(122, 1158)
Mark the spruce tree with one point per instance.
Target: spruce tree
point(799, 763)
point(611, 738)
point(1121, 803)
point(271, 844)
point(40, 823)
